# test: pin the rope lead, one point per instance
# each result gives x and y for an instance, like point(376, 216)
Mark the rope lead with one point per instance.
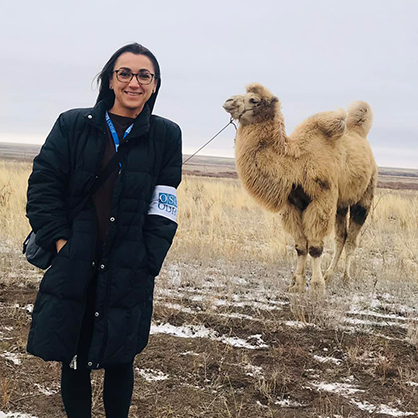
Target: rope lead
point(231, 122)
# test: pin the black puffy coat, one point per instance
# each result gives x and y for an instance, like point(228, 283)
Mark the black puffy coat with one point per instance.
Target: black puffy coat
point(136, 243)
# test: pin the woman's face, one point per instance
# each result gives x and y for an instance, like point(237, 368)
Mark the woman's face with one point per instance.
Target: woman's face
point(131, 96)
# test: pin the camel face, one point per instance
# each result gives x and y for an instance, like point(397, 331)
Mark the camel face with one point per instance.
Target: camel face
point(234, 106)
point(241, 107)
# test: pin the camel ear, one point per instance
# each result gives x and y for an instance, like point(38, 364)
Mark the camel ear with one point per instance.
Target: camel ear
point(257, 88)
point(274, 99)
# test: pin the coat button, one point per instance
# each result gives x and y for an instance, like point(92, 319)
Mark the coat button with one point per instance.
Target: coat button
point(90, 116)
point(89, 364)
point(96, 314)
point(93, 264)
point(102, 266)
point(112, 219)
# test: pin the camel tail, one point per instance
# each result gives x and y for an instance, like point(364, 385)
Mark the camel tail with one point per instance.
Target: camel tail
point(360, 118)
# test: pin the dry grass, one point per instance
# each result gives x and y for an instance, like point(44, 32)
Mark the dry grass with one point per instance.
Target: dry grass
point(5, 392)
point(13, 184)
point(218, 220)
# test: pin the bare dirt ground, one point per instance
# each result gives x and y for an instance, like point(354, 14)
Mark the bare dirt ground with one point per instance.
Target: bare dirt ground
point(229, 341)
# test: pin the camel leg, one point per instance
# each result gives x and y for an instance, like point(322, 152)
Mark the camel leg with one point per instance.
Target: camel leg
point(299, 279)
point(317, 283)
point(340, 238)
point(358, 215)
point(292, 224)
point(318, 219)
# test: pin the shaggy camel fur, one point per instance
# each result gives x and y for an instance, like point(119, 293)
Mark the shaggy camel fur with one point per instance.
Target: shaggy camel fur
point(317, 178)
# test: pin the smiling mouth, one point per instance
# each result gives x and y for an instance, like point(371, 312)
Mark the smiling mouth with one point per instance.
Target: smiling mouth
point(131, 93)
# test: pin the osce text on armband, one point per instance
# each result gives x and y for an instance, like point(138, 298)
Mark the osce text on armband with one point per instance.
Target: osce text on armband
point(167, 202)
point(164, 202)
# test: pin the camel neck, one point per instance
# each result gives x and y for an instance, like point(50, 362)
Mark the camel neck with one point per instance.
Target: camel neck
point(267, 134)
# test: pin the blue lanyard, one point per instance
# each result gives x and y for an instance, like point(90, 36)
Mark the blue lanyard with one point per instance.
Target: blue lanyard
point(114, 133)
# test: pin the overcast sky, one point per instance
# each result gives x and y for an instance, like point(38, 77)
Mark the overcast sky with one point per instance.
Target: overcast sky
point(315, 55)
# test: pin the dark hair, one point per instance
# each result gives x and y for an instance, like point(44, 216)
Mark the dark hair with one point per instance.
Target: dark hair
point(103, 78)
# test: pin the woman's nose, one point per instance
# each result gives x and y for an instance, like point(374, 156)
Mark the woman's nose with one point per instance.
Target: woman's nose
point(134, 82)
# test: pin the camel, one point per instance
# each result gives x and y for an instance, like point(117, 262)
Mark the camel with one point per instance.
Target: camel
point(321, 177)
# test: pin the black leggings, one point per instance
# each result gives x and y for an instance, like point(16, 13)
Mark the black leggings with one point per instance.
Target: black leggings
point(117, 391)
point(76, 386)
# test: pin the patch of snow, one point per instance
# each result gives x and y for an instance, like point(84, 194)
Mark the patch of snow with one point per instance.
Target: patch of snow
point(262, 306)
point(15, 415)
point(253, 371)
point(221, 302)
point(200, 331)
point(238, 280)
point(177, 307)
point(238, 316)
point(5, 338)
point(355, 311)
point(369, 331)
point(189, 353)
point(288, 403)
point(278, 302)
point(175, 275)
point(28, 308)
point(349, 379)
point(13, 357)
point(295, 324)
point(381, 409)
point(313, 374)
point(45, 391)
point(412, 383)
point(340, 388)
point(376, 303)
point(356, 321)
point(213, 285)
point(258, 341)
point(332, 416)
point(152, 375)
point(321, 359)
point(258, 403)
point(240, 343)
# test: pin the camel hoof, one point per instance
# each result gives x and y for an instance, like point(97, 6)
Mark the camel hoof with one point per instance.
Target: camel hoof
point(346, 278)
point(296, 288)
point(298, 284)
point(329, 275)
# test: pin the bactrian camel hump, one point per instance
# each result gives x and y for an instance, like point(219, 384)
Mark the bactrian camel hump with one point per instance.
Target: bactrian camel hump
point(322, 176)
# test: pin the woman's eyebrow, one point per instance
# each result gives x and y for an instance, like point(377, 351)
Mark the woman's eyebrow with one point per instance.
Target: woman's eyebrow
point(140, 70)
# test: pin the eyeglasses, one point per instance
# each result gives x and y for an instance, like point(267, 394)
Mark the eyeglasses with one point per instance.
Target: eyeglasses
point(124, 75)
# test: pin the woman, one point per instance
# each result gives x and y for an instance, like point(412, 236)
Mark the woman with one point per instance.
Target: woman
point(94, 305)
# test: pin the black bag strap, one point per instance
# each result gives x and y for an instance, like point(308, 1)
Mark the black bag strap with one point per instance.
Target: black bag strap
point(101, 178)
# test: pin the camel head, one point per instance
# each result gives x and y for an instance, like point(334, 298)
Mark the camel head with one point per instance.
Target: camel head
point(257, 105)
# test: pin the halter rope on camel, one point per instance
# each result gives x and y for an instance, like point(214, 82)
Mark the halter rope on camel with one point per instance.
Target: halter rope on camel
point(231, 122)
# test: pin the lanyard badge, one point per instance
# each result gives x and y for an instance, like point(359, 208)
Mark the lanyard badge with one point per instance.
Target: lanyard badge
point(114, 133)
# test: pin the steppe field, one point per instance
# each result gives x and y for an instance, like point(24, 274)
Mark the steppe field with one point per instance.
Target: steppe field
point(228, 340)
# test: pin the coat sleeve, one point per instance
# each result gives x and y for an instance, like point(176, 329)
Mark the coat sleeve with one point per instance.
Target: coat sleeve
point(47, 187)
point(159, 230)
